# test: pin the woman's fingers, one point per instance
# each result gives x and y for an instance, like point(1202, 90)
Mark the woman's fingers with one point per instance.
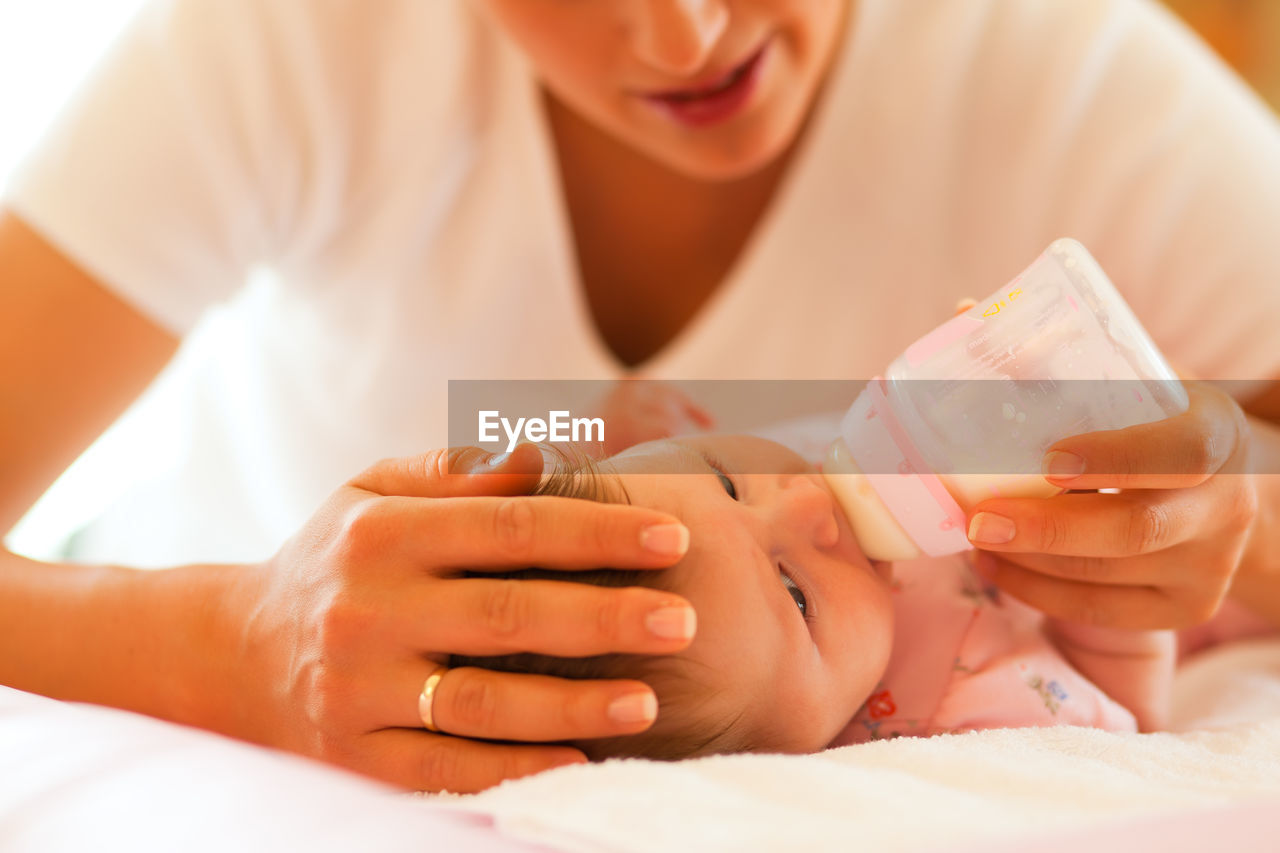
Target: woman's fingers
point(1153, 570)
point(513, 532)
point(1115, 606)
point(1162, 552)
point(1090, 525)
point(480, 703)
point(478, 616)
point(418, 760)
point(455, 472)
point(368, 590)
point(1176, 453)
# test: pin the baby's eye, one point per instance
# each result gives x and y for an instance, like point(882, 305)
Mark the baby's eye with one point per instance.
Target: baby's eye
point(715, 465)
point(796, 595)
point(728, 484)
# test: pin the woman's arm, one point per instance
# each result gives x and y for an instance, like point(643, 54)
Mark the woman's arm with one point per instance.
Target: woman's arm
point(1257, 583)
point(72, 358)
point(151, 642)
point(1190, 242)
point(323, 648)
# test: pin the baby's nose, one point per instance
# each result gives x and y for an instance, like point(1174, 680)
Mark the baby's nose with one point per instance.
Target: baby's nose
point(807, 509)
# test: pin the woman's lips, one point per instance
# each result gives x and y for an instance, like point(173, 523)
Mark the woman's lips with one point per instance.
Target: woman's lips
point(715, 102)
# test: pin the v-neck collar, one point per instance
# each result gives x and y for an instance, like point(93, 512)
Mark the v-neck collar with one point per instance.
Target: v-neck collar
point(678, 357)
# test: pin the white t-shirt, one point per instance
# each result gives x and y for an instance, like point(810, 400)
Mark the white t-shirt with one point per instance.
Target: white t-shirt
point(387, 168)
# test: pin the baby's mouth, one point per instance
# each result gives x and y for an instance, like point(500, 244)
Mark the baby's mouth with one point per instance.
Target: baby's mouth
point(848, 548)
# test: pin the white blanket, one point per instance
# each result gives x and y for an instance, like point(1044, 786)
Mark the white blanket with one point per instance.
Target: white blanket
point(75, 777)
point(1029, 788)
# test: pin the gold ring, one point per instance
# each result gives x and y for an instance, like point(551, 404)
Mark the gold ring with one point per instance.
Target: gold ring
point(428, 695)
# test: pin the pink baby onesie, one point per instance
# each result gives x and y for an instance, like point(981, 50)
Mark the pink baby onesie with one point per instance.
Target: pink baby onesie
point(966, 656)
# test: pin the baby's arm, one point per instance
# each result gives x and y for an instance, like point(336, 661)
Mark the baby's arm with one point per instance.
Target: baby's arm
point(1135, 668)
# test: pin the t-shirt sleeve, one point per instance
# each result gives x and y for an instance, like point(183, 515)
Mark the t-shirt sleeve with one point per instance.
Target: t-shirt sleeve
point(1205, 204)
point(1110, 122)
point(1183, 168)
point(157, 178)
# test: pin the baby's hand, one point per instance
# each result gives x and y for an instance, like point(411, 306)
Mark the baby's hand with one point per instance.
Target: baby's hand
point(640, 410)
point(1135, 668)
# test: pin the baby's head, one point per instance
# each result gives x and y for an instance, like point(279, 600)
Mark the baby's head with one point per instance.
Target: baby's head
point(794, 623)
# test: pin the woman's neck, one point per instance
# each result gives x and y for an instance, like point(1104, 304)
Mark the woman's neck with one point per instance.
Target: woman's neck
point(652, 245)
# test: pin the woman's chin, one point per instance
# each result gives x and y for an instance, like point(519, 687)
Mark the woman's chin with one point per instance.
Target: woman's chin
point(722, 158)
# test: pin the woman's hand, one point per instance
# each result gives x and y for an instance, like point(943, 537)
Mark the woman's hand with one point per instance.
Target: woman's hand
point(640, 410)
point(1161, 553)
point(354, 613)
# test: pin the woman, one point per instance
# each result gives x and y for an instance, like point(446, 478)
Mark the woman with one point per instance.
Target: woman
point(540, 189)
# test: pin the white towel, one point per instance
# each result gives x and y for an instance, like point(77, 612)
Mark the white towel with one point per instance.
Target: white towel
point(926, 794)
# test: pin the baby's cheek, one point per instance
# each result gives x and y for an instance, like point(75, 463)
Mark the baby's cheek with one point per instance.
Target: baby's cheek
point(866, 643)
point(818, 724)
point(879, 629)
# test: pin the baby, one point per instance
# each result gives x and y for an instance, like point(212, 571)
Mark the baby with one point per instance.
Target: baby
point(803, 643)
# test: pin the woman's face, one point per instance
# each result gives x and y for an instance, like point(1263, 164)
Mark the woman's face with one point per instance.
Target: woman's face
point(715, 89)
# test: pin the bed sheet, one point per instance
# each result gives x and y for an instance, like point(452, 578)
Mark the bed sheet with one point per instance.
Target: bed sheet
point(79, 777)
point(76, 777)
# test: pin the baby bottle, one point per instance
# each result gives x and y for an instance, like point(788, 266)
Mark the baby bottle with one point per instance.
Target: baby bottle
point(968, 411)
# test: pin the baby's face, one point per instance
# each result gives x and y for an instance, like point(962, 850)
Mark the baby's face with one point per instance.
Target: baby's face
point(794, 623)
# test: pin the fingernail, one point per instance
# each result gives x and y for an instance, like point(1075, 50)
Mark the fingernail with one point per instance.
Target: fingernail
point(672, 623)
point(498, 460)
point(991, 529)
point(669, 540)
point(1062, 465)
point(636, 708)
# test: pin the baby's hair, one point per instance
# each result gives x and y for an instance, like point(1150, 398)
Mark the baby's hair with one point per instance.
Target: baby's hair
point(683, 729)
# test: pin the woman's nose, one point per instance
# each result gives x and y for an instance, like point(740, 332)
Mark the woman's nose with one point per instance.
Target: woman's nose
point(805, 509)
point(678, 36)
